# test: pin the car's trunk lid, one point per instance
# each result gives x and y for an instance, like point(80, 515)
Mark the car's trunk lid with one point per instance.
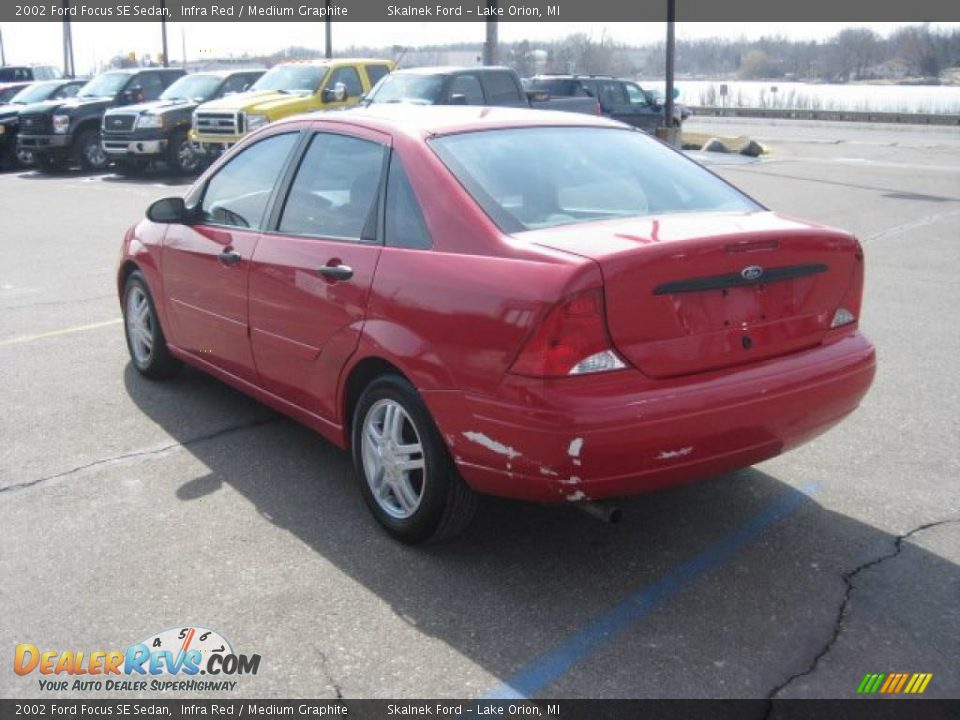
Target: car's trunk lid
point(691, 293)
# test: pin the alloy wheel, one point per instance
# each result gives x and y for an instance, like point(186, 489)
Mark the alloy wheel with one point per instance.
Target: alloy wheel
point(140, 326)
point(394, 464)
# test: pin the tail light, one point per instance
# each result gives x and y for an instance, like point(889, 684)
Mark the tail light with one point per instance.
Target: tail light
point(849, 308)
point(571, 340)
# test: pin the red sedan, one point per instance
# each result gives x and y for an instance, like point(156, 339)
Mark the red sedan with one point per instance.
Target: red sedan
point(545, 306)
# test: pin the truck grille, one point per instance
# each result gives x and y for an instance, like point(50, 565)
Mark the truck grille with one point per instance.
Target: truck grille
point(120, 123)
point(219, 123)
point(34, 124)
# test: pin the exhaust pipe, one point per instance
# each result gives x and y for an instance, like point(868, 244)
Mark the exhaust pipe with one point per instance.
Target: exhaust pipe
point(602, 511)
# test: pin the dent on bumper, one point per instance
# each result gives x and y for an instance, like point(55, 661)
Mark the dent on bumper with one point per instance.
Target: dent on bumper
point(624, 434)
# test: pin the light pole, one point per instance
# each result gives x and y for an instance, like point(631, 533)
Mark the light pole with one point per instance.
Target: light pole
point(327, 31)
point(68, 69)
point(491, 46)
point(163, 31)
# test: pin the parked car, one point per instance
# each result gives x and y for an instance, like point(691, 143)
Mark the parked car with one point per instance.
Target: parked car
point(8, 90)
point(60, 131)
point(541, 305)
point(622, 100)
point(469, 86)
point(10, 114)
point(28, 73)
point(135, 134)
point(283, 91)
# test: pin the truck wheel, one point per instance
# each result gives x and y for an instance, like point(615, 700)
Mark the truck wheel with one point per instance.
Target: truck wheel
point(25, 158)
point(181, 157)
point(90, 152)
point(406, 475)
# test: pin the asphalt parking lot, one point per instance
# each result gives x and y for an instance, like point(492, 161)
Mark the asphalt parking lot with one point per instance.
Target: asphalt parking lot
point(130, 506)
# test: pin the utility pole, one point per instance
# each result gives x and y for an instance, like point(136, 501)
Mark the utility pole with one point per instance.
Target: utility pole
point(68, 68)
point(491, 50)
point(183, 46)
point(327, 31)
point(163, 32)
point(3, 55)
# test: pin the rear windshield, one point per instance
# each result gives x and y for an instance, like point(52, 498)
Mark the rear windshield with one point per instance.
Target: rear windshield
point(292, 78)
point(530, 178)
point(413, 88)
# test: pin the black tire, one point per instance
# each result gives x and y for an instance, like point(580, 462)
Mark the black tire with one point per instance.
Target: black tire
point(180, 157)
point(446, 504)
point(89, 151)
point(159, 364)
point(49, 163)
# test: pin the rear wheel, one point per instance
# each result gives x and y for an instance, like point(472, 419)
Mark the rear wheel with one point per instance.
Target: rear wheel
point(145, 339)
point(90, 152)
point(406, 476)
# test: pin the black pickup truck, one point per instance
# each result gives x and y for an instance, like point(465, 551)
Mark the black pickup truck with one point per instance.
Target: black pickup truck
point(622, 100)
point(59, 131)
point(469, 86)
point(10, 114)
point(136, 134)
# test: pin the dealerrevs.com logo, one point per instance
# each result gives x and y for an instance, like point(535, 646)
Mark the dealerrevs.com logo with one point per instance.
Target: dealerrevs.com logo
point(169, 660)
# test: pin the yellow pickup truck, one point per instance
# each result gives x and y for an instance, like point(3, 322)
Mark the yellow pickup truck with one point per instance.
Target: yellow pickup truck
point(284, 90)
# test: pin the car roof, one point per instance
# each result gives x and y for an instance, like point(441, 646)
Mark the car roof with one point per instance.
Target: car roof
point(449, 69)
point(335, 61)
point(419, 120)
point(228, 73)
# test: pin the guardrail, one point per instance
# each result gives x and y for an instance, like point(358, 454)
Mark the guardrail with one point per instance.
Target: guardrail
point(843, 115)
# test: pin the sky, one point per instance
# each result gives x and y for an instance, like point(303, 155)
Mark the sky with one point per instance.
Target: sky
point(96, 43)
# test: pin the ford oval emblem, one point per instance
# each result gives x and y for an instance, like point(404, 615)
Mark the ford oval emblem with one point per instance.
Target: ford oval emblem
point(751, 272)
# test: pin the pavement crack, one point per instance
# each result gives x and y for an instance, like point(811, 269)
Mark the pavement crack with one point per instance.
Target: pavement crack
point(331, 681)
point(848, 581)
point(123, 457)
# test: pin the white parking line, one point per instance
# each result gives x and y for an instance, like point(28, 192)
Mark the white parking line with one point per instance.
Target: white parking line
point(55, 333)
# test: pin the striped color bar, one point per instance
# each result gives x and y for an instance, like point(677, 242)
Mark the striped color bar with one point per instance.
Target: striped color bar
point(894, 683)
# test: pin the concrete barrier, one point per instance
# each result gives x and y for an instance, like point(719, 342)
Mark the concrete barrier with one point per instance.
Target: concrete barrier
point(842, 115)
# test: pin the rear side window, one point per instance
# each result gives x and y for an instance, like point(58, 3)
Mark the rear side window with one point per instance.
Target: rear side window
point(500, 87)
point(404, 226)
point(238, 194)
point(335, 192)
point(350, 78)
point(375, 72)
point(469, 87)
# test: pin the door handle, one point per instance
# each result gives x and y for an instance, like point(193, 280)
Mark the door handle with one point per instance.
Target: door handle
point(229, 256)
point(336, 272)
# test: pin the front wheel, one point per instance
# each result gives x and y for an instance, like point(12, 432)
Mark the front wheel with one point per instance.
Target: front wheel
point(181, 157)
point(90, 152)
point(406, 476)
point(145, 339)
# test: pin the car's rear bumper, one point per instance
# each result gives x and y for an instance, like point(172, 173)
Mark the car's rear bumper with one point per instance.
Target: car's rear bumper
point(622, 433)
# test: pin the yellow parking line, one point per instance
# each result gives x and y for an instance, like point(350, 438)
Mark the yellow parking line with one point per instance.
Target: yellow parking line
point(55, 333)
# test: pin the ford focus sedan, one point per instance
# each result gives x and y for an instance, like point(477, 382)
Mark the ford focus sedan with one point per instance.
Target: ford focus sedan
point(543, 306)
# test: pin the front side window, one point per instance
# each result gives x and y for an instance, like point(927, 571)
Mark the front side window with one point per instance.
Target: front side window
point(237, 195)
point(529, 178)
point(350, 79)
point(335, 191)
point(636, 95)
point(501, 88)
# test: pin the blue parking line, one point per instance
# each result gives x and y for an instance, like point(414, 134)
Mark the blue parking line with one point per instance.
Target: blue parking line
point(542, 671)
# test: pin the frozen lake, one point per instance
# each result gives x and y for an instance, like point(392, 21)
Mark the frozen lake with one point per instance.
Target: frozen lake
point(803, 96)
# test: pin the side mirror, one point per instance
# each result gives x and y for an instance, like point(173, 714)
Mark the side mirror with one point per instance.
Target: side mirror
point(171, 210)
point(458, 99)
point(338, 93)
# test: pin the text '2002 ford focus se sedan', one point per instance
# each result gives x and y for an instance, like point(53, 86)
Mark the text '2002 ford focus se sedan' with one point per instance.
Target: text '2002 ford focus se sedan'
point(537, 305)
